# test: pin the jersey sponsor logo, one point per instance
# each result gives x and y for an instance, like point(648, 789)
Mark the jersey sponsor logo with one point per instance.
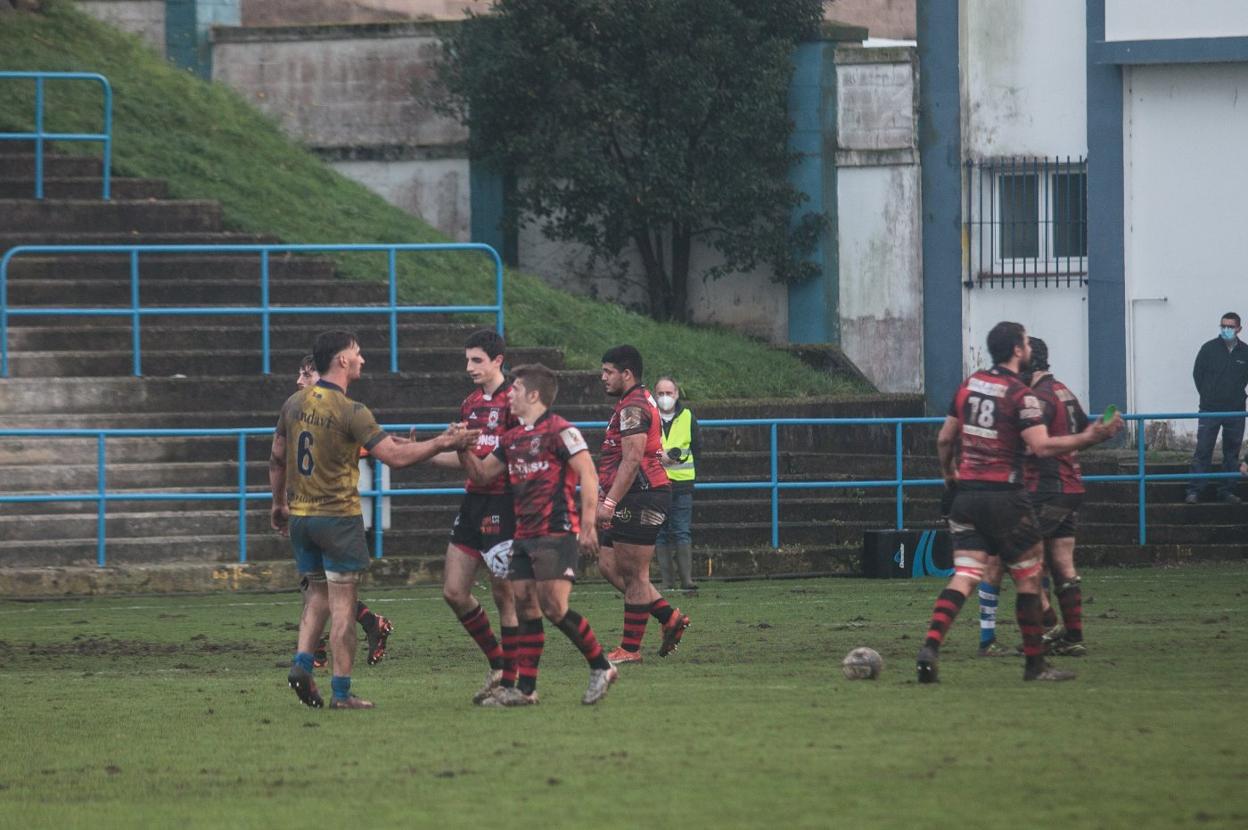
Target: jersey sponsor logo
point(573, 441)
point(623, 515)
point(979, 432)
point(983, 387)
point(535, 445)
point(630, 418)
point(485, 440)
point(527, 469)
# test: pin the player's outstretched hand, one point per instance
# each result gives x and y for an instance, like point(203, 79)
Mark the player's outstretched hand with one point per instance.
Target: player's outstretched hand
point(1102, 431)
point(587, 539)
point(279, 518)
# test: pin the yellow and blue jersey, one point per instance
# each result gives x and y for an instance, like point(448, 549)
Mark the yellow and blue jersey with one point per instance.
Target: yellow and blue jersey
point(324, 432)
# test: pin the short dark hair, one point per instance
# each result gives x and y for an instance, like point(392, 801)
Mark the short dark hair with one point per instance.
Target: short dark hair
point(538, 378)
point(1003, 339)
point(308, 362)
point(330, 343)
point(1039, 354)
point(1230, 315)
point(625, 358)
point(488, 341)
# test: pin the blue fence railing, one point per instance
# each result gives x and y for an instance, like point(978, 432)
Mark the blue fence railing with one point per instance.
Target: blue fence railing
point(102, 496)
point(40, 136)
point(265, 311)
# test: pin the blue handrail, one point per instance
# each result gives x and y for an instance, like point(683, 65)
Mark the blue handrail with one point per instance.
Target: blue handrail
point(40, 135)
point(102, 496)
point(264, 311)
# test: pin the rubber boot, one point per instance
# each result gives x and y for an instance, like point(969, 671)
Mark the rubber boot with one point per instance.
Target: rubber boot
point(684, 558)
point(664, 554)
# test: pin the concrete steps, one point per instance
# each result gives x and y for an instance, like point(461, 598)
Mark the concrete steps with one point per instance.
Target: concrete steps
point(179, 267)
point(117, 215)
point(84, 187)
point(203, 292)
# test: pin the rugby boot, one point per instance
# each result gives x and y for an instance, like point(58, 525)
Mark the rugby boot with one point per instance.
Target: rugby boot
point(1068, 648)
point(995, 649)
point(600, 681)
point(377, 639)
point(926, 665)
point(510, 696)
point(1043, 671)
point(320, 657)
point(1054, 634)
point(301, 681)
point(673, 630)
point(493, 677)
point(350, 702)
point(619, 655)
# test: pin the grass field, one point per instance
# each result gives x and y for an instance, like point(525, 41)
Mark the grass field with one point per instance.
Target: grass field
point(151, 711)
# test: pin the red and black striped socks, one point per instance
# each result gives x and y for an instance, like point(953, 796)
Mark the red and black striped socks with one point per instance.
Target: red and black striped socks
point(635, 619)
point(511, 641)
point(531, 640)
point(1027, 610)
point(477, 624)
point(1070, 597)
point(578, 630)
point(948, 604)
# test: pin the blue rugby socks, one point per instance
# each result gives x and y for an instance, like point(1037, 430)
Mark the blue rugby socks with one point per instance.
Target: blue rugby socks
point(341, 687)
point(989, 596)
point(303, 660)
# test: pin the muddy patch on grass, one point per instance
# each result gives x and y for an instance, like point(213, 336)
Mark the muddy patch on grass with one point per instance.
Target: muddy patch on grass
point(83, 646)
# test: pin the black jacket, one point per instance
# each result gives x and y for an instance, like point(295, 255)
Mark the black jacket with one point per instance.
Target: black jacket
point(1221, 375)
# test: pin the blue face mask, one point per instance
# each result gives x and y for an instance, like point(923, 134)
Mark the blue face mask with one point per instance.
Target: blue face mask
point(1227, 333)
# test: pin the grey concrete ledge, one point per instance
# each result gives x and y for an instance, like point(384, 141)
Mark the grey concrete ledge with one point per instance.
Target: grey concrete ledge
point(329, 31)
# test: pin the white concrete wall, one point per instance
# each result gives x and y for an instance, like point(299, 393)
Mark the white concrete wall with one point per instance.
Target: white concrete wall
point(1024, 79)
point(1166, 19)
point(144, 18)
point(747, 302)
point(1024, 94)
point(435, 190)
point(1185, 135)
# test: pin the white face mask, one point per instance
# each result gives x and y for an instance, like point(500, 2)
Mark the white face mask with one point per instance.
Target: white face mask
point(666, 402)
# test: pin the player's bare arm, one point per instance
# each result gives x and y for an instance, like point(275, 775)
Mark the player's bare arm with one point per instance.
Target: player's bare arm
point(480, 470)
point(1044, 445)
point(583, 465)
point(279, 514)
point(397, 455)
point(632, 448)
point(947, 448)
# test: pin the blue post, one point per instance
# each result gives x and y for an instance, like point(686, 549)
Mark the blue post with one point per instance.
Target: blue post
point(1139, 440)
point(135, 336)
point(394, 315)
point(4, 317)
point(775, 490)
point(377, 528)
point(242, 497)
point(108, 137)
point(498, 289)
point(101, 510)
point(901, 487)
point(264, 315)
point(39, 138)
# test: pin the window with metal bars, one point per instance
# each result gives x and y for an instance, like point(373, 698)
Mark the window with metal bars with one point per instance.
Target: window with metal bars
point(1027, 222)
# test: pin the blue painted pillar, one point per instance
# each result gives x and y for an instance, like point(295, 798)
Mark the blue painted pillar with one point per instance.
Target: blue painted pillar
point(940, 153)
point(814, 305)
point(487, 199)
point(1107, 310)
point(187, 25)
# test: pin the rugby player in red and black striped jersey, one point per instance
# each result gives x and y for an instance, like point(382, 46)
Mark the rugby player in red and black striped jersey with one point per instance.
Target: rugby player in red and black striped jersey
point(544, 458)
point(636, 495)
point(994, 418)
point(486, 518)
point(1055, 485)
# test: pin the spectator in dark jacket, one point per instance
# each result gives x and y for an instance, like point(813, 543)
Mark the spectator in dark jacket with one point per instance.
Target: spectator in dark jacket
point(1221, 374)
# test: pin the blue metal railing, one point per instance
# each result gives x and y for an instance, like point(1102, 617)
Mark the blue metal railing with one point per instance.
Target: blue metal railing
point(102, 496)
point(41, 136)
point(136, 312)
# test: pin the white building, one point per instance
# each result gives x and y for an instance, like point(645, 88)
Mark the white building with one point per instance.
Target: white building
point(1123, 263)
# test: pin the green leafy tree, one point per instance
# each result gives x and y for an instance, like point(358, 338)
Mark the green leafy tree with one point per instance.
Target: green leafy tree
point(653, 123)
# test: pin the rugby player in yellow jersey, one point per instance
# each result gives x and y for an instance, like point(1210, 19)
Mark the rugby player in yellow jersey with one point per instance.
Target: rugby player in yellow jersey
point(314, 475)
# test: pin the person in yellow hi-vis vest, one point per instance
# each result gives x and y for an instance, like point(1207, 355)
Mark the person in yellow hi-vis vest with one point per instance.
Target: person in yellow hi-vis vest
point(680, 447)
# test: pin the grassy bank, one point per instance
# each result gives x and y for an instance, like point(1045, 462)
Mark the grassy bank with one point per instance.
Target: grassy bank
point(210, 143)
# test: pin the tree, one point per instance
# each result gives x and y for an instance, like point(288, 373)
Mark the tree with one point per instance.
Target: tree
point(647, 122)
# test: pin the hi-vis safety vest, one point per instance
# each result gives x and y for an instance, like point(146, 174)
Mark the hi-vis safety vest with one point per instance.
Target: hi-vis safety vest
point(680, 434)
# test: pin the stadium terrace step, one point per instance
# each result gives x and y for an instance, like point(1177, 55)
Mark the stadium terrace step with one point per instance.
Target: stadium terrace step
point(10, 239)
point(179, 267)
point(109, 293)
point(384, 393)
point(238, 333)
point(84, 187)
point(14, 166)
point(114, 216)
point(196, 363)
